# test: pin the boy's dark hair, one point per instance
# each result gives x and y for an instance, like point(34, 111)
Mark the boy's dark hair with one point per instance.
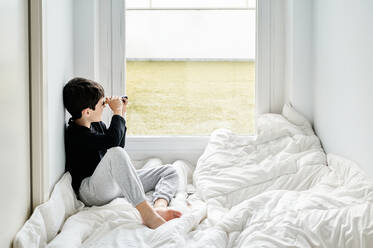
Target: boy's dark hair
point(80, 93)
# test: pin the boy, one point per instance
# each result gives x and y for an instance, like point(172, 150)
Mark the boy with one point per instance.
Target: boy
point(101, 169)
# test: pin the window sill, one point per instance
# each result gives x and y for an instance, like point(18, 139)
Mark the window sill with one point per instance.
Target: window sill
point(169, 148)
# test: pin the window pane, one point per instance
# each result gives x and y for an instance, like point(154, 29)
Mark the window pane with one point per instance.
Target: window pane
point(190, 72)
point(190, 98)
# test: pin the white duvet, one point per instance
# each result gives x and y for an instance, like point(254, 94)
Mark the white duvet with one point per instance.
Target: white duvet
point(277, 189)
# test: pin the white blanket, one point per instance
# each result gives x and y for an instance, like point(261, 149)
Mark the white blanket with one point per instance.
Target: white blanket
point(273, 190)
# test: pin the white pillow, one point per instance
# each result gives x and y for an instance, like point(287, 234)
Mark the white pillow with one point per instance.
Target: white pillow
point(48, 218)
point(294, 116)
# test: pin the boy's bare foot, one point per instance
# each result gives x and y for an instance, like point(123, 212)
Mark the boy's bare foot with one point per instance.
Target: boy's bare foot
point(153, 221)
point(149, 216)
point(167, 213)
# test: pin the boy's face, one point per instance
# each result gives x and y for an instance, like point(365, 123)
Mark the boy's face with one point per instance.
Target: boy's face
point(96, 115)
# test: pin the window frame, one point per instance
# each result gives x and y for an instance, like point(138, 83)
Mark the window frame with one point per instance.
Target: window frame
point(39, 110)
point(269, 90)
point(171, 147)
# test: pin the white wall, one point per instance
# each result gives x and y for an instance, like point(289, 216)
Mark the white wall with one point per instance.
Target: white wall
point(299, 56)
point(60, 68)
point(85, 44)
point(329, 73)
point(226, 34)
point(15, 183)
point(343, 78)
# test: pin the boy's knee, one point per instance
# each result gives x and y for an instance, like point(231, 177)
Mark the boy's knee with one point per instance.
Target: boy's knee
point(117, 152)
point(116, 149)
point(171, 171)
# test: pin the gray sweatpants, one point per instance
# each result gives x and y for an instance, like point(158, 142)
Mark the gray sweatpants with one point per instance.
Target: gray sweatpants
point(115, 177)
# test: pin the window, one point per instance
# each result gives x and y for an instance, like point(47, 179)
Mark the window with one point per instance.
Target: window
point(190, 66)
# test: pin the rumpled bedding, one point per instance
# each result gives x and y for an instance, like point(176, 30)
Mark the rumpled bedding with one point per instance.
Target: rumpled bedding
point(277, 189)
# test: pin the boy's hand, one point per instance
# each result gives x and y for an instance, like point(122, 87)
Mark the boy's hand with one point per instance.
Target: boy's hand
point(116, 104)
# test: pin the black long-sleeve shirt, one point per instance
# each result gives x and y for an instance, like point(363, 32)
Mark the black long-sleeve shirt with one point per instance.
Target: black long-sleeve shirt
point(85, 147)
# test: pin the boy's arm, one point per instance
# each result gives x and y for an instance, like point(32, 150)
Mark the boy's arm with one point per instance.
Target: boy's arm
point(123, 140)
point(111, 137)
